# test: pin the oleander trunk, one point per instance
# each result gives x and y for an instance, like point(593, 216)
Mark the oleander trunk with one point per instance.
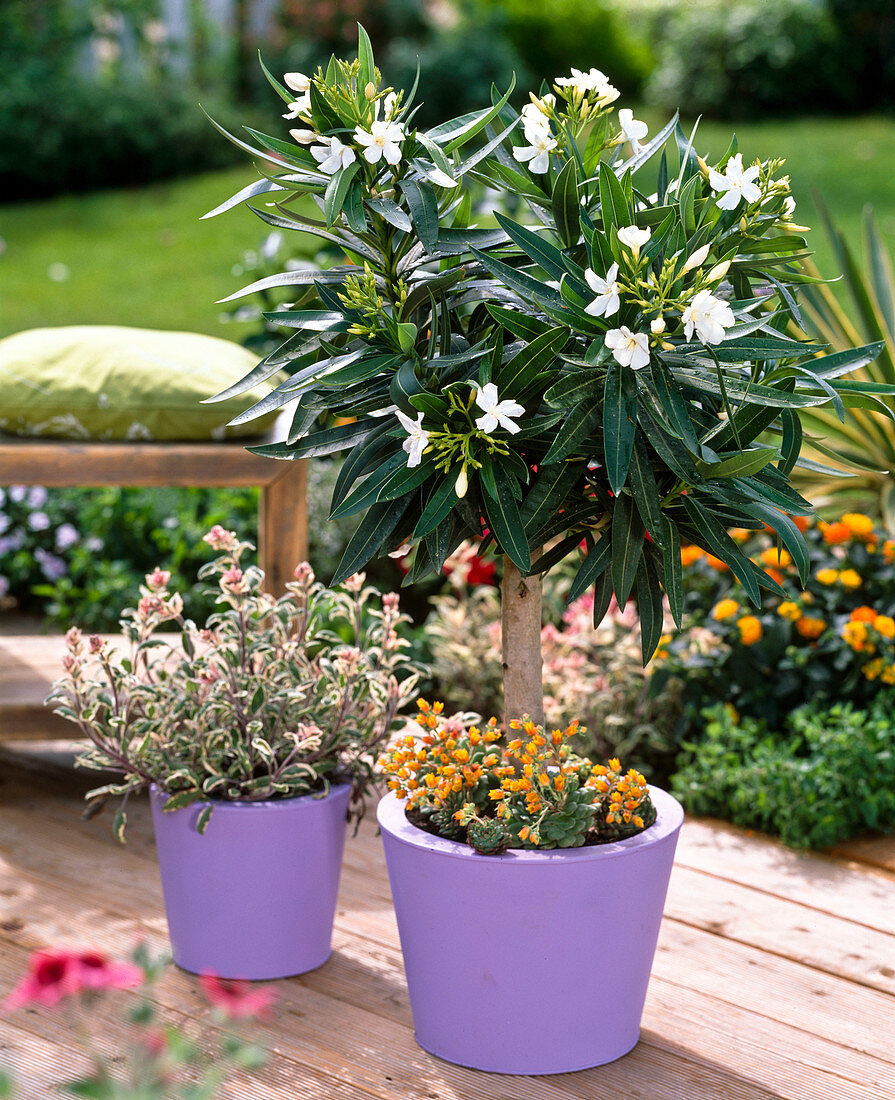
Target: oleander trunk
point(521, 619)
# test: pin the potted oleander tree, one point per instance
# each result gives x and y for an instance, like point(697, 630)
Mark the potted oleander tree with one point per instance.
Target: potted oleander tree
point(256, 736)
point(602, 375)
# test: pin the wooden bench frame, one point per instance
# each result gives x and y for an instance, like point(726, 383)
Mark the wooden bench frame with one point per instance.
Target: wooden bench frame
point(282, 513)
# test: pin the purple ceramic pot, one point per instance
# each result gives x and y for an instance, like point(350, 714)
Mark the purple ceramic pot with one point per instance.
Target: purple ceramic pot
point(528, 962)
point(255, 896)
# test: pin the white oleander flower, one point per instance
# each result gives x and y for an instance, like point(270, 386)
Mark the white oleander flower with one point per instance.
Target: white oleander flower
point(633, 238)
point(537, 152)
point(709, 316)
point(388, 106)
point(629, 349)
point(497, 413)
point(331, 155)
point(381, 140)
point(298, 82)
point(533, 113)
point(417, 438)
point(736, 183)
point(607, 291)
point(461, 485)
point(592, 81)
point(696, 259)
point(304, 137)
point(632, 128)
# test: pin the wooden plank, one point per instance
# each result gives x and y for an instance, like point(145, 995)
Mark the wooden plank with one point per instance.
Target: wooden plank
point(62, 463)
point(283, 523)
point(815, 881)
point(876, 851)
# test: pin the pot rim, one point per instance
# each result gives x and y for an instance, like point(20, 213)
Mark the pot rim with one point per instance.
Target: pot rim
point(669, 818)
point(222, 805)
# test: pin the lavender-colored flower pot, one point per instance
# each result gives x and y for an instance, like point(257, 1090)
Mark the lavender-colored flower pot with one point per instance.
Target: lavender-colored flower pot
point(528, 962)
point(255, 896)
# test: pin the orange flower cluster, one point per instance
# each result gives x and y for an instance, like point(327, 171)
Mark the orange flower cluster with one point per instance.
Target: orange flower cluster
point(539, 773)
point(626, 793)
point(446, 760)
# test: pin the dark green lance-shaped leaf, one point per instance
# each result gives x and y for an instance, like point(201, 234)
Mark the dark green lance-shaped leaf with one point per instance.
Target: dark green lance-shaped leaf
point(406, 479)
point(844, 362)
point(502, 512)
point(573, 387)
point(444, 540)
point(300, 277)
point(365, 456)
point(456, 133)
point(259, 187)
point(642, 481)
point(619, 423)
point(673, 405)
point(669, 448)
point(454, 242)
point(790, 535)
point(326, 442)
point(519, 324)
point(369, 489)
point(596, 562)
point(673, 569)
point(366, 65)
point(354, 208)
point(423, 206)
point(613, 202)
point(525, 285)
point(792, 440)
point(602, 597)
point(742, 464)
point(336, 191)
point(748, 423)
point(627, 547)
point(649, 606)
point(552, 556)
point(514, 375)
point(438, 506)
point(551, 487)
point(566, 207)
point(392, 213)
point(544, 254)
point(686, 206)
point(716, 539)
point(368, 539)
point(583, 419)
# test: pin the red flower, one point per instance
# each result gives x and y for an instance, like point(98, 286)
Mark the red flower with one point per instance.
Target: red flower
point(235, 998)
point(57, 973)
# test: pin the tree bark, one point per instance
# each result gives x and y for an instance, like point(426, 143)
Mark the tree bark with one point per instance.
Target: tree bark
point(523, 685)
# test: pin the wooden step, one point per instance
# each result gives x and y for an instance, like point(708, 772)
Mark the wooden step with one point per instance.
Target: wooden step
point(29, 663)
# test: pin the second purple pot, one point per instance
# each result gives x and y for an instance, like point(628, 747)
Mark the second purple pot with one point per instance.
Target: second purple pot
point(529, 962)
point(255, 895)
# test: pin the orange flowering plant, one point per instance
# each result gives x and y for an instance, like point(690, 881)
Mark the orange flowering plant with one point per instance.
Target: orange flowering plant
point(470, 783)
point(834, 639)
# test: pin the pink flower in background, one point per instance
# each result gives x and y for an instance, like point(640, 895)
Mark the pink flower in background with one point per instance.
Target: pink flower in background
point(57, 973)
point(158, 578)
point(234, 998)
point(218, 538)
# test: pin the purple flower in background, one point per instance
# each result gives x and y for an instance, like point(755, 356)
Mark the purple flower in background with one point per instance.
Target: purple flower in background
point(2, 497)
point(5, 521)
point(37, 497)
point(4, 586)
point(17, 493)
point(12, 542)
point(94, 544)
point(66, 536)
point(38, 521)
point(52, 567)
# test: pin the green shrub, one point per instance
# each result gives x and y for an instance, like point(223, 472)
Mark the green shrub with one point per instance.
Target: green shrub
point(830, 778)
point(749, 59)
point(867, 49)
point(552, 37)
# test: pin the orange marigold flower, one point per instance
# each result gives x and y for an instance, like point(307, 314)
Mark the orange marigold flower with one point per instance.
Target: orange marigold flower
point(810, 627)
point(855, 634)
point(691, 554)
point(725, 609)
point(716, 563)
point(863, 614)
point(775, 575)
point(888, 674)
point(776, 556)
point(740, 534)
point(827, 576)
point(834, 533)
point(850, 579)
point(859, 525)
point(873, 668)
point(885, 625)
point(889, 551)
point(789, 610)
point(750, 629)
point(802, 522)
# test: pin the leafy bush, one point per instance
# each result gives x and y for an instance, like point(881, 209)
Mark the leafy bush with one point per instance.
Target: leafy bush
point(833, 642)
point(867, 49)
point(748, 59)
point(551, 37)
point(831, 777)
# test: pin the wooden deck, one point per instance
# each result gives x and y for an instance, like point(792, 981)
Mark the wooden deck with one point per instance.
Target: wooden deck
point(775, 975)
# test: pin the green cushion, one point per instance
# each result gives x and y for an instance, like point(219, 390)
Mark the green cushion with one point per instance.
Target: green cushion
point(105, 382)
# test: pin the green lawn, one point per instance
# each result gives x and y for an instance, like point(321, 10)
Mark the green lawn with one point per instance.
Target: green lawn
point(136, 257)
point(144, 257)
